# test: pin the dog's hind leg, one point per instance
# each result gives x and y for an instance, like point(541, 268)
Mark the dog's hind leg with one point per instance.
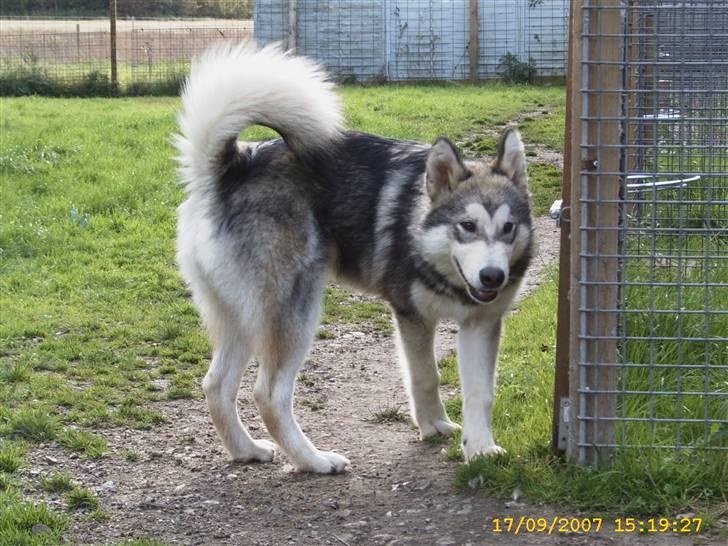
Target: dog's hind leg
point(221, 384)
point(288, 338)
point(416, 340)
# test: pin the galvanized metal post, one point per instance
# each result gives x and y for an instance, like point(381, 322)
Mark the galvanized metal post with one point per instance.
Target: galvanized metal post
point(292, 25)
point(112, 23)
point(474, 46)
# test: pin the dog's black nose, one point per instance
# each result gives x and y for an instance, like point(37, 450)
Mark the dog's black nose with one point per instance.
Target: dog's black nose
point(492, 277)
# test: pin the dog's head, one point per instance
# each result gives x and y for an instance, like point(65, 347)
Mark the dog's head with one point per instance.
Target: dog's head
point(478, 231)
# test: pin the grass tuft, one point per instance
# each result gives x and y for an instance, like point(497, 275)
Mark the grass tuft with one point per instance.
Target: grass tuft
point(12, 455)
point(17, 372)
point(34, 424)
point(18, 517)
point(91, 445)
point(390, 413)
point(130, 455)
point(59, 482)
point(80, 498)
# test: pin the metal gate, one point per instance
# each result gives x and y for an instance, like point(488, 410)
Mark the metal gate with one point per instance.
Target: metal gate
point(645, 329)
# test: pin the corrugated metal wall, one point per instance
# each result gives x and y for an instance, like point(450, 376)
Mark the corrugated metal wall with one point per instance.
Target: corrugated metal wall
point(419, 39)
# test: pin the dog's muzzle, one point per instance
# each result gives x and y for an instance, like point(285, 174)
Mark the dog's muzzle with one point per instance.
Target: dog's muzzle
point(481, 296)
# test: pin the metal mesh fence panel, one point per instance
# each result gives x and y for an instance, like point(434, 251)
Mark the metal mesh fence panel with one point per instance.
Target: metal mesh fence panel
point(653, 233)
point(48, 45)
point(421, 39)
point(66, 46)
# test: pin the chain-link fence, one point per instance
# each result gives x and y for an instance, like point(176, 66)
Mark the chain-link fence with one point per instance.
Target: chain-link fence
point(102, 46)
point(649, 213)
point(78, 46)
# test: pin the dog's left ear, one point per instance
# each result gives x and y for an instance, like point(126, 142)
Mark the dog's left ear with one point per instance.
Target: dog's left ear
point(445, 169)
point(511, 159)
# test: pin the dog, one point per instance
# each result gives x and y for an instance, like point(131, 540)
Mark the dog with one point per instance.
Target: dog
point(264, 224)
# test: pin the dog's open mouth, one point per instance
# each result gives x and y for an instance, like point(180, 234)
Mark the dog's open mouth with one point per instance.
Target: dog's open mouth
point(481, 296)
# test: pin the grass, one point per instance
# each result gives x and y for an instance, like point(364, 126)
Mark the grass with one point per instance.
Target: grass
point(91, 445)
point(79, 498)
point(17, 518)
point(95, 315)
point(640, 483)
point(12, 455)
point(130, 455)
point(60, 482)
point(547, 129)
point(389, 413)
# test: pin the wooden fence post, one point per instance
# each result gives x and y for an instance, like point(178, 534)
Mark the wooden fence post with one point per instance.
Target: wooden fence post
point(595, 194)
point(562, 421)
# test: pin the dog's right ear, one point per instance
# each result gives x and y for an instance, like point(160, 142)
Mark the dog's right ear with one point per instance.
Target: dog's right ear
point(445, 169)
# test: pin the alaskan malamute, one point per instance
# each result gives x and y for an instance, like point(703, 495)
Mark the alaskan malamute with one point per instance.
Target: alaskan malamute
point(264, 224)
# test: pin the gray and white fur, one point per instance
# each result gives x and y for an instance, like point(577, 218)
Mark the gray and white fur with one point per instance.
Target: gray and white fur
point(264, 225)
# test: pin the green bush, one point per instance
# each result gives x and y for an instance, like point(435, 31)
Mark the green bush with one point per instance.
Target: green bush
point(513, 70)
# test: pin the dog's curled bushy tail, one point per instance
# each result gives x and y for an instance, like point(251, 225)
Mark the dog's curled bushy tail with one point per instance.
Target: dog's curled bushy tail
point(231, 87)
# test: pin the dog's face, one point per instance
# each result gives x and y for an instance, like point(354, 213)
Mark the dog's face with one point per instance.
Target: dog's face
point(478, 229)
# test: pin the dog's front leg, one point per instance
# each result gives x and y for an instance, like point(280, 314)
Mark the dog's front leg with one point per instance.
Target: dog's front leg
point(477, 352)
point(416, 340)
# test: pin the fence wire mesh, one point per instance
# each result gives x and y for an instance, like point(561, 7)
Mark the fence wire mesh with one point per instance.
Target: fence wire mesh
point(422, 39)
point(65, 47)
point(653, 233)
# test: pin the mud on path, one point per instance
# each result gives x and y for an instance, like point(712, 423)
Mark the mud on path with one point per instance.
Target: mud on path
point(183, 489)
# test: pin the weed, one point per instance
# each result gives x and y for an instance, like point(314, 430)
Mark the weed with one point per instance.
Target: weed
point(91, 445)
point(311, 404)
point(143, 542)
point(80, 498)
point(130, 455)
point(16, 372)
point(18, 517)
point(513, 70)
point(33, 424)
point(179, 392)
point(56, 483)
point(12, 455)
point(390, 413)
point(323, 333)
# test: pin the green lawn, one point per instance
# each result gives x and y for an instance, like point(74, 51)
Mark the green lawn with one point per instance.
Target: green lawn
point(89, 291)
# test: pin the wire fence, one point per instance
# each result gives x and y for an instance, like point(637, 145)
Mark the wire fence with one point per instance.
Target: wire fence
point(79, 46)
point(650, 228)
point(70, 47)
point(397, 40)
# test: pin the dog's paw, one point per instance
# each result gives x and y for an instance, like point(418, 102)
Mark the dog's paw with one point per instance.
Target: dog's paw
point(324, 462)
point(471, 450)
point(436, 427)
point(260, 451)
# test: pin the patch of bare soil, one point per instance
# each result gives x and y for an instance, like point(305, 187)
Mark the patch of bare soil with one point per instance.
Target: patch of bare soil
point(183, 490)
point(488, 135)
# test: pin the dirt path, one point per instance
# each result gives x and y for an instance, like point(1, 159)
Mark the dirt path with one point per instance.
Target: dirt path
point(183, 490)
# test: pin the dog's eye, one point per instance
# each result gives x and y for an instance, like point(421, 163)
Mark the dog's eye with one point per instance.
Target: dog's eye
point(468, 226)
point(507, 228)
